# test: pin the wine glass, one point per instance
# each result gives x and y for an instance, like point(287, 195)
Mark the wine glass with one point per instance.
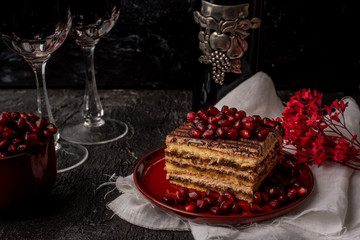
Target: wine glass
point(91, 21)
point(35, 29)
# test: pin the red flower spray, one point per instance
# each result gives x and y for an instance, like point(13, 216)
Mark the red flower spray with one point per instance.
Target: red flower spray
point(317, 132)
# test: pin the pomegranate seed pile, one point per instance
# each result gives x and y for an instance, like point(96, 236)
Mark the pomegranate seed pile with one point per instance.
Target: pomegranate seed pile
point(281, 188)
point(21, 132)
point(229, 123)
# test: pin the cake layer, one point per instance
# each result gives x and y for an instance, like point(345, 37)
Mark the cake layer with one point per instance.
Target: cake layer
point(248, 152)
point(202, 180)
point(245, 175)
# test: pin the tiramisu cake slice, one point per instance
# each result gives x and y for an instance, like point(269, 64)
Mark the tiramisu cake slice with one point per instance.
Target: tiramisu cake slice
point(223, 150)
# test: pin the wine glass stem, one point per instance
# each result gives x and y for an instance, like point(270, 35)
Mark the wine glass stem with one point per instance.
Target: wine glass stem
point(42, 99)
point(93, 110)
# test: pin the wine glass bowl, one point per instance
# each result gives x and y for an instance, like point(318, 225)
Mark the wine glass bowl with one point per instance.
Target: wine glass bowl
point(34, 36)
point(92, 20)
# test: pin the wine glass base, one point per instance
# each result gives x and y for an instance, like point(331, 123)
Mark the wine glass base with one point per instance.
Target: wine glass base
point(110, 131)
point(69, 156)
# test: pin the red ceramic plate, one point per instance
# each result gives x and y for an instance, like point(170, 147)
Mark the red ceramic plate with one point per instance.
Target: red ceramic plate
point(150, 178)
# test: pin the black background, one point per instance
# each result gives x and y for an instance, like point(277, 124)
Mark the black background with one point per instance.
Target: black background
point(304, 44)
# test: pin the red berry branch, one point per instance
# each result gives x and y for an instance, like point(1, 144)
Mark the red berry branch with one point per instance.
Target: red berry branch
point(318, 132)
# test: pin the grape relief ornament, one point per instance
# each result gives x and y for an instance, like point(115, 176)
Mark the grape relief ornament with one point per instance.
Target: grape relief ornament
point(222, 36)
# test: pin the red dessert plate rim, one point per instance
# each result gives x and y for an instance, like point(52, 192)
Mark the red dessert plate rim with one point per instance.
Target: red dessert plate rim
point(201, 216)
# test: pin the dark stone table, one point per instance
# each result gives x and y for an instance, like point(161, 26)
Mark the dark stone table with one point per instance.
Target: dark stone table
point(76, 208)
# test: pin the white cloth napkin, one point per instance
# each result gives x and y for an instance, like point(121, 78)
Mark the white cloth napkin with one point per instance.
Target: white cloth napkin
point(332, 211)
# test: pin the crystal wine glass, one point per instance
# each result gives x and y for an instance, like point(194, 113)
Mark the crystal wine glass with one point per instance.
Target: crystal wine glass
point(92, 20)
point(35, 29)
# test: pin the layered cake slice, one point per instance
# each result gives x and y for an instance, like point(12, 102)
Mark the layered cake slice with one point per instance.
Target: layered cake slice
point(223, 150)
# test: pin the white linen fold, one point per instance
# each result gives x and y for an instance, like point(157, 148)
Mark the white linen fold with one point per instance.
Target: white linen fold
point(332, 211)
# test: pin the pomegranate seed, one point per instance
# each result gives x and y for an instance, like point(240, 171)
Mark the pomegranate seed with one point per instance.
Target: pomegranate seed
point(251, 125)
point(254, 208)
point(224, 123)
point(203, 114)
point(4, 143)
point(224, 108)
point(211, 201)
point(191, 116)
point(257, 198)
point(23, 115)
point(243, 204)
point(180, 197)
point(245, 133)
point(15, 115)
point(168, 200)
point(268, 122)
point(226, 206)
point(302, 191)
point(213, 111)
point(292, 194)
point(32, 117)
point(30, 137)
point(221, 133)
point(247, 119)
point(41, 123)
point(221, 199)
point(191, 207)
point(274, 204)
point(265, 197)
point(12, 148)
point(212, 194)
point(230, 111)
point(208, 134)
point(232, 134)
point(202, 205)
point(1, 129)
point(32, 126)
point(52, 128)
point(16, 141)
point(257, 118)
point(238, 125)
point(215, 210)
point(273, 192)
point(240, 115)
point(8, 133)
point(262, 134)
point(194, 195)
point(21, 124)
point(219, 117)
point(212, 126)
point(47, 134)
point(196, 120)
point(184, 191)
point(230, 196)
point(195, 133)
point(22, 148)
point(201, 126)
point(236, 208)
point(4, 119)
point(231, 118)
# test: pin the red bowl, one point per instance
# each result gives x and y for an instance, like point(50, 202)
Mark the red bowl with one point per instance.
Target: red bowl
point(27, 174)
